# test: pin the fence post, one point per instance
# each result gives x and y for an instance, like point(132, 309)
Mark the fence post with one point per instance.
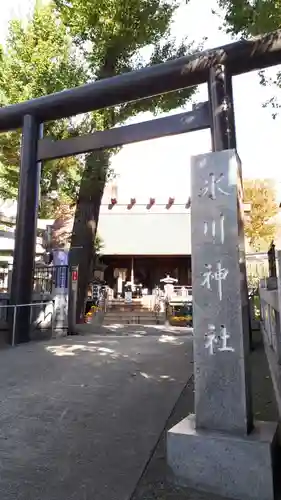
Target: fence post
point(72, 297)
point(53, 318)
point(14, 325)
point(277, 323)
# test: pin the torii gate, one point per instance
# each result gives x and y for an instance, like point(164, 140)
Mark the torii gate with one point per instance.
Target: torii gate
point(221, 449)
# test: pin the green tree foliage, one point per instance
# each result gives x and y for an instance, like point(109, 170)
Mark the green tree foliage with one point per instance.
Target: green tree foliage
point(84, 40)
point(250, 18)
point(260, 224)
point(115, 37)
point(38, 58)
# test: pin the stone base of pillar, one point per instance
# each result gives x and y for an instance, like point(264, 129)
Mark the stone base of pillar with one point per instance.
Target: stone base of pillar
point(232, 466)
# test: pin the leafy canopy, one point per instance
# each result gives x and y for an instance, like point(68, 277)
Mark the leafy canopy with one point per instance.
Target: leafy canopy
point(251, 18)
point(260, 225)
point(38, 58)
point(115, 37)
point(68, 43)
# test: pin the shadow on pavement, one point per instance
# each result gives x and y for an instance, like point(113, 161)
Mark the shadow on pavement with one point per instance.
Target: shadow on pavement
point(80, 416)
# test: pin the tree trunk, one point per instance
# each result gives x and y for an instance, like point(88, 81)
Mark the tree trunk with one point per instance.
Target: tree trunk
point(89, 201)
point(86, 221)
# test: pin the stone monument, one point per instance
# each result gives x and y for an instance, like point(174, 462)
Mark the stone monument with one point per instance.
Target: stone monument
point(220, 449)
point(58, 244)
point(60, 292)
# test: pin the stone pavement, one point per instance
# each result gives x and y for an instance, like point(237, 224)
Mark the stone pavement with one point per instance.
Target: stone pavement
point(132, 330)
point(155, 483)
point(80, 416)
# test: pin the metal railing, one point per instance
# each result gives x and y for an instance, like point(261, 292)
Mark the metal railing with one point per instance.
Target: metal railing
point(182, 291)
point(270, 307)
point(257, 268)
point(48, 277)
point(45, 278)
point(270, 319)
point(38, 321)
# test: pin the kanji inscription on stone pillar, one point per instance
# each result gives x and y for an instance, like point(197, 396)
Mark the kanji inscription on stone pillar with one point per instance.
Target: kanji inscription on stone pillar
point(221, 335)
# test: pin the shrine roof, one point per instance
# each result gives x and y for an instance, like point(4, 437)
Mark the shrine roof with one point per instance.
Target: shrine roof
point(145, 232)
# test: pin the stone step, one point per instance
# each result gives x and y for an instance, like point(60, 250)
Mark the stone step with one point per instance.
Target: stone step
point(131, 315)
point(148, 318)
point(125, 314)
point(122, 301)
point(133, 321)
point(129, 307)
point(133, 306)
point(137, 311)
point(130, 311)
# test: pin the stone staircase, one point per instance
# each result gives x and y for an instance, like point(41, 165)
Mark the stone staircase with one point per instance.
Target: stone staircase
point(136, 313)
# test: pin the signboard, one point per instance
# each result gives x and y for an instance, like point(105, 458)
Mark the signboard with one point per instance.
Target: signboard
point(61, 275)
point(128, 297)
point(60, 260)
point(60, 257)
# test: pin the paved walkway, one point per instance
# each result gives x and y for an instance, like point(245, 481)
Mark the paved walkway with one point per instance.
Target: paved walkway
point(80, 416)
point(133, 330)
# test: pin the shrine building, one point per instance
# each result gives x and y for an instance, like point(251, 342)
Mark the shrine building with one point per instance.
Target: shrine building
point(145, 239)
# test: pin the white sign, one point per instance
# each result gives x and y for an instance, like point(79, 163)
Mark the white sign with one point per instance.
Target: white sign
point(128, 297)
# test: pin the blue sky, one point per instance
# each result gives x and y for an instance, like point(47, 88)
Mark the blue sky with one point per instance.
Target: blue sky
point(160, 168)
